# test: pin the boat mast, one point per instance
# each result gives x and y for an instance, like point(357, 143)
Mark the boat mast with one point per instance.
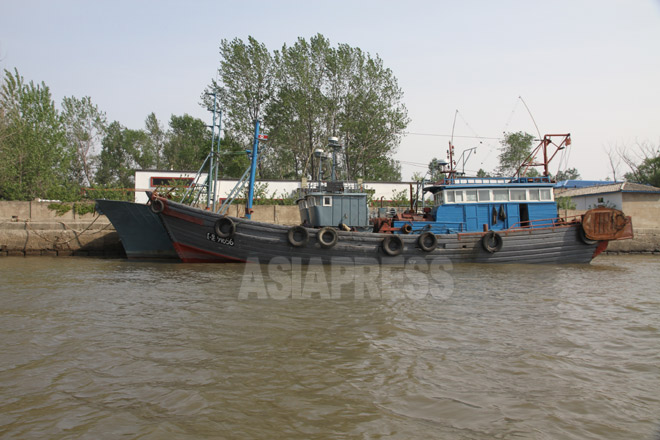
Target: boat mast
point(253, 168)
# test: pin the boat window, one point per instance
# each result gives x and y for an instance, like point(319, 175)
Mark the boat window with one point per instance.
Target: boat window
point(311, 201)
point(471, 195)
point(500, 194)
point(459, 196)
point(450, 197)
point(545, 194)
point(518, 194)
point(327, 201)
point(534, 194)
point(484, 195)
point(438, 198)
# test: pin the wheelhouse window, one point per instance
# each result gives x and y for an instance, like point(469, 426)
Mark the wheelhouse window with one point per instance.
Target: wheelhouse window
point(459, 196)
point(311, 201)
point(471, 195)
point(546, 194)
point(327, 201)
point(438, 198)
point(500, 195)
point(450, 197)
point(534, 194)
point(518, 194)
point(484, 195)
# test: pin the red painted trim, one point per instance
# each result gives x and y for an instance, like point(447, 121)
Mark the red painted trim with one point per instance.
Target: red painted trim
point(602, 245)
point(190, 254)
point(186, 217)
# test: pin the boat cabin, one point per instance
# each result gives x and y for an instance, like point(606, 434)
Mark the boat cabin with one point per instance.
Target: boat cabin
point(334, 203)
point(471, 204)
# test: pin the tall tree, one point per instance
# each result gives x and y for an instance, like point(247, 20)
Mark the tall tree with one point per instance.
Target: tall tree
point(189, 142)
point(33, 162)
point(245, 88)
point(308, 92)
point(157, 137)
point(516, 147)
point(85, 127)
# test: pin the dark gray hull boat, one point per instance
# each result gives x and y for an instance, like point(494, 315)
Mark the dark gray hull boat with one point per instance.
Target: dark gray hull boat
point(203, 236)
point(140, 230)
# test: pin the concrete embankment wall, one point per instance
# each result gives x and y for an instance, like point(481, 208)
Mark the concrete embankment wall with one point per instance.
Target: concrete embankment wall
point(30, 228)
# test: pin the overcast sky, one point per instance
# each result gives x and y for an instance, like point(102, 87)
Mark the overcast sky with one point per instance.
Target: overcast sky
point(591, 68)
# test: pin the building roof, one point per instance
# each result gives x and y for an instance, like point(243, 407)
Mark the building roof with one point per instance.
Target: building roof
point(628, 187)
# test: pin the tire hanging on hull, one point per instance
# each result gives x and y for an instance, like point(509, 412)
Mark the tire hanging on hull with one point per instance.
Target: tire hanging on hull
point(392, 245)
point(298, 236)
point(491, 242)
point(225, 227)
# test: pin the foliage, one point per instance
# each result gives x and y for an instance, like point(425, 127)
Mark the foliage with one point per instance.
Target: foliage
point(483, 173)
point(60, 208)
point(85, 126)
point(569, 174)
point(647, 172)
point(157, 139)
point(516, 147)
point(233, 159)
point(99, 192)
point(33, 162)
point(565, 203)
point(400, 198)
point(305, 93)
point(188, 143)
point(246, 74)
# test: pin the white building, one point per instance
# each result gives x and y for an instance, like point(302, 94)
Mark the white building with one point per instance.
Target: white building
point(149, 180)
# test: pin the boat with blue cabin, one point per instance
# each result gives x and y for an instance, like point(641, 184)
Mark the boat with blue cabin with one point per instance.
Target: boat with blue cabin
point(473, 220)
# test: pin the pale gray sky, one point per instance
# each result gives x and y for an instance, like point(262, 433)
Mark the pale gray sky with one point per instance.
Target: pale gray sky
point(588, 67)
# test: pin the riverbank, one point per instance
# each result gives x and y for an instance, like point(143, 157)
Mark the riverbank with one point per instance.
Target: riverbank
point(31, 228)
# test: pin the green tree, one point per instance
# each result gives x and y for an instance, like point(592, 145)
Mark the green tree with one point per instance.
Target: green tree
point(305, 93)
point(233, 159)
point(245, 88)
point(516, 147)
point(189, 142)
point(33, 162)
point(647, 172)
point(116, 163)
point(483, 173)
point(568, 174)
point(85, 127)
point(157, 138)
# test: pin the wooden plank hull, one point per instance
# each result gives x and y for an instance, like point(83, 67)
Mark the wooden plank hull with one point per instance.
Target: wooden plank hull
point(193, 235)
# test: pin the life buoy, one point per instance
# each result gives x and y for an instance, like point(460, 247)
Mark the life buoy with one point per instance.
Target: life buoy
point(406, 229)
point(491, 242)
point(583, 236)
point(157, 206)
point(298, 236)
point(427, 241)
point(327, 237)
point(393, 245)
point(225, 227)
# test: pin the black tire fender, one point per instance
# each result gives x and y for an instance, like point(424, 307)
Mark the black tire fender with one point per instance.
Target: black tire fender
point(427, 241)
point(298, 236)
point(491, 242)
point(225, 227)
point(583, 236)
point(157, 206)
point(327, 237)
point(392, 245)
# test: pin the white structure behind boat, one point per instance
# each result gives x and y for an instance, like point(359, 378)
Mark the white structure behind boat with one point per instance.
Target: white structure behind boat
point(149, 180)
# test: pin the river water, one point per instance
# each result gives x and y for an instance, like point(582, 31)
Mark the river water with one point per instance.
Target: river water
point(107, 349)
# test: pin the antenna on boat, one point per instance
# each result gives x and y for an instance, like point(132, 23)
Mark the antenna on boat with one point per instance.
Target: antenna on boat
point(531, 116)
